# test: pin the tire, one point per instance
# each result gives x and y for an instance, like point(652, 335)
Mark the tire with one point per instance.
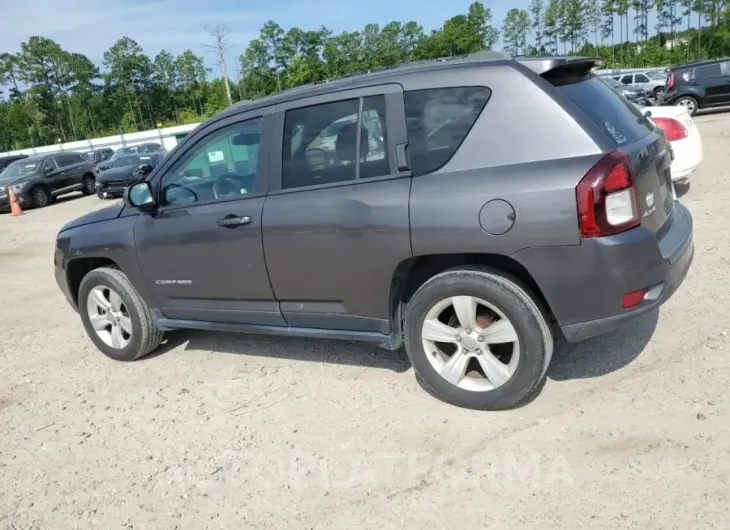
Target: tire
point(691, 103)
point(658, 90)
point(144, 337)
point(529, 323)
point(40, 197)
point(88, 185)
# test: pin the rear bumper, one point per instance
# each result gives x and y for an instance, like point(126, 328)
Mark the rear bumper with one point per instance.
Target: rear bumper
point(584, 284)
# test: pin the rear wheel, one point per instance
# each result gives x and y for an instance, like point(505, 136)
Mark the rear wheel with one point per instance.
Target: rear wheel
point(40, 197)
point(658, 90)
point(477, 339)
point(116, 318)
point(689, 103)
point(88, 185)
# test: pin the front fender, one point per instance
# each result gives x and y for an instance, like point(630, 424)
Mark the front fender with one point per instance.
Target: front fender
point(111, 240)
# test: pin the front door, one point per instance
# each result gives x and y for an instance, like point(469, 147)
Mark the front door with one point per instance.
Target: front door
point(54, 175)
point(336, 219)
point(201, 252)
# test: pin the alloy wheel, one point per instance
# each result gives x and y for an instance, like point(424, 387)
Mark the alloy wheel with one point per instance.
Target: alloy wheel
point(470, 343)
point(109, 317)
point(688, 103)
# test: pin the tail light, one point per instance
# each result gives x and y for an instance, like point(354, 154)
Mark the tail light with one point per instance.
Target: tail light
point(672, 128)
point(670, 80)
point(606, 197)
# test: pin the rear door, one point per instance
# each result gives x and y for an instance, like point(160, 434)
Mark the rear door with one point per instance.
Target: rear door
point(621, 125)
point(717, 85)
point(335, 222)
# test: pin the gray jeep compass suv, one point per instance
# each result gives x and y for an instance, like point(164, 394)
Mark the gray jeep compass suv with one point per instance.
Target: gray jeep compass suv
point(471, 209)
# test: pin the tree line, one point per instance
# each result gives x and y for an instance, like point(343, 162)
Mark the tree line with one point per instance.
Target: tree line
point(49, 94)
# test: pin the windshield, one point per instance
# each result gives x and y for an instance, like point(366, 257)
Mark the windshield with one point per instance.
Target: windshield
point(19, 168)
point(657, 76)
point(612, 82)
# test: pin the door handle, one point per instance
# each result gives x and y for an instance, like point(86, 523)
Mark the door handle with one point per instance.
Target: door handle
point(232, 221)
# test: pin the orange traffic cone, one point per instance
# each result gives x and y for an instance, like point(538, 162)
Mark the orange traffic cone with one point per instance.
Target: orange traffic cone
point(14, 206)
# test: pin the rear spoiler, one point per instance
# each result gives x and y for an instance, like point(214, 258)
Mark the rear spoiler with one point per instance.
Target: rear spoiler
point(553, 66)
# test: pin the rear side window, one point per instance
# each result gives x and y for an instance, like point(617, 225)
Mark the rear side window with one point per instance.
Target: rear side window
point(616, 117)
point(711, 70)
point(438, 120)
point(68, 159)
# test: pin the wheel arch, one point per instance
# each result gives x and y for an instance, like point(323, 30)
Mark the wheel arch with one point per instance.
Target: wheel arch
point(78, 268)
point(412, 273)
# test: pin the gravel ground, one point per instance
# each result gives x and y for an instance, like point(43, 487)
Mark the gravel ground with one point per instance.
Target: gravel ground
point(219, 430)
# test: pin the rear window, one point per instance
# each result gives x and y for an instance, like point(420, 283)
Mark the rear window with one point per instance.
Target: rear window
point(437, 122)
point(616, 117)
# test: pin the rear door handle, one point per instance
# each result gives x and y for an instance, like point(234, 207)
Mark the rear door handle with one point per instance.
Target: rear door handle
point(232, 221)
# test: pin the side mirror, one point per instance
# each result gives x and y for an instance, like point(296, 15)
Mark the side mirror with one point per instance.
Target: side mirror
point(47, 170)
point(140, 196)
point(142, 170)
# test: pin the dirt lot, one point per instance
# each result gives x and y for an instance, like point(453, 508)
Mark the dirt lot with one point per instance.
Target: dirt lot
point(630, 431)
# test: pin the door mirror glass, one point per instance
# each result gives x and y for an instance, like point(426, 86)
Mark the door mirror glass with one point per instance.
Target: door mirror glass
point(139, 195)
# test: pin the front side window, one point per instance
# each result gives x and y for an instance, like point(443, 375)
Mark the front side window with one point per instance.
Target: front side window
point(321, 143)
point(438, 120)
point(221, 166)
point(50, 165)
point(641, 78)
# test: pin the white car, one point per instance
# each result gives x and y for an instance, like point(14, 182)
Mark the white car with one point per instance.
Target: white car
point(683, 136)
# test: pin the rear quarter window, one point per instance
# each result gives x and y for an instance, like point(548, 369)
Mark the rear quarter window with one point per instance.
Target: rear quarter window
point(438, 120)
point(617, 118)
point(705, 72)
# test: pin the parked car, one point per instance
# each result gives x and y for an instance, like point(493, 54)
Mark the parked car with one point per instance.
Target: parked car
point(125, 151)
point(632, 93)
point(124, 171)
point(100, 155)
point(651, 81)
point(5, 161)
point(698, 85)
point(473, 240)
point(684, 137)
point(37, 180)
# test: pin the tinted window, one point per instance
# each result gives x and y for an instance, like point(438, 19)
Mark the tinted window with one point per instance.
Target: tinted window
point(641, 78)
point(711, 70)
point(124, 161)
point(437, 121)
point(627, 79)
point(726, 67)
point(149, 148)
point(50, 164)
point(616, 117)
point(68, 159)
point(221, 166)
point(321, 143)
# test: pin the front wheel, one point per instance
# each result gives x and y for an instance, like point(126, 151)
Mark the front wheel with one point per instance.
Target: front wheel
point(689, 103)
point(477, 339)
point(116, 318)
point(40, 197)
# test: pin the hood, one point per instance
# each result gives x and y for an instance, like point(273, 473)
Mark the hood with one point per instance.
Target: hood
point(7, 181)
point(116, 173)
point(105, 214)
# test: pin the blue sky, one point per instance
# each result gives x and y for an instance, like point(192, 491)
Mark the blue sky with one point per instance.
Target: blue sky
point(92, 26)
